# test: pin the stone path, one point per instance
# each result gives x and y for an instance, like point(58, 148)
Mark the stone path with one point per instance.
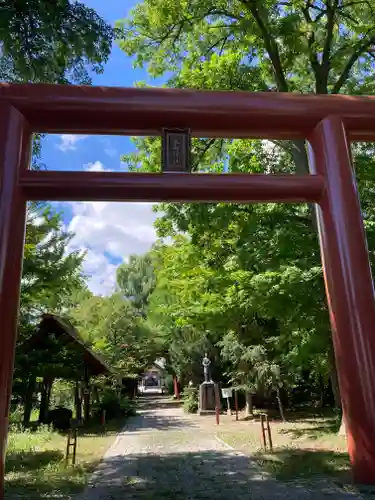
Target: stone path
point(163, 454)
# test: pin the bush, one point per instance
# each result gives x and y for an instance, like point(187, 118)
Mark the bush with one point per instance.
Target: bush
point(24, 442)
point(62, 394)
point(115, 406)
point(16, 417)
point(169, 384)
point(190, 400)
point(127, 407)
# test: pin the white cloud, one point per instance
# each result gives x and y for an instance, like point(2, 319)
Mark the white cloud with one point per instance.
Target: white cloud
point(97, 166)
point(101, 275)
point(108, 232)
point(68, 142)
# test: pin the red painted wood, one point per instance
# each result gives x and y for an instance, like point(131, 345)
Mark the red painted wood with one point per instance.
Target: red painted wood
point(209, 114)
point(350, 292)
point(176, 388)
point(131, 111)
point(115, 186)
point(14, 136)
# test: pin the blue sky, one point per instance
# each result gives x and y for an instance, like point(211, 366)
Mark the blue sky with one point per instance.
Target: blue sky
point(109, 232)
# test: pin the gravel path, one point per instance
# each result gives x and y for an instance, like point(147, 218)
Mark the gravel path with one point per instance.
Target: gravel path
point(164, 455)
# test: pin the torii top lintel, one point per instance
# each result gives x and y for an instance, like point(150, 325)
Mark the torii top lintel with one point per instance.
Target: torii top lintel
point(134, 111)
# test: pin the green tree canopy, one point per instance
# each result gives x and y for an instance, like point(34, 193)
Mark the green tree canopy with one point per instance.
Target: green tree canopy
point(114, 328)
point(51, 42)
point(51, 274)
point(136, 280)
point(270, 250)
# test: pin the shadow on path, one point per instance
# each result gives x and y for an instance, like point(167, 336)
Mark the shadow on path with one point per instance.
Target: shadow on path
point(163, 454)
point(215, 475)
point(157, 413)
point(149, 402)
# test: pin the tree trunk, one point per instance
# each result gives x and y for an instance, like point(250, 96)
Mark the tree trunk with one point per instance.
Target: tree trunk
point(281, 408)
point(249, 411)
point(49, 391)
point(299, 156)
point(87, 397)
point(45, 399)
point(321, 389)
point(301, 162)
point(86, 404)
point(28, 403)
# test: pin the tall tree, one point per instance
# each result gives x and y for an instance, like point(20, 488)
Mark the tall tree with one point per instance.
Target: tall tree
point(51, 42)
point(136, 280)
point(297, 46)
point(113, 328)
point(51, 274)
point(188, 308)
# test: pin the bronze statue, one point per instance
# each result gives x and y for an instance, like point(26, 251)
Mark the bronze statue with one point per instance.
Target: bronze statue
point(206, 363)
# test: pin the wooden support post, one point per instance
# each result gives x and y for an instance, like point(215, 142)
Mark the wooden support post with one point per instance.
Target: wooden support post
point(217, 404)
point(103, 418)
point(217, 414)
point(86, 397)
point(269, 433)
point(45, 399)
point(265, 426)
point(176, 388)
point(15, 142)
point(229, 411)
point(71, 444)
point(78, 402)
point(28, 400)
point(350, 290)
point(263, 433)
point(236, 403)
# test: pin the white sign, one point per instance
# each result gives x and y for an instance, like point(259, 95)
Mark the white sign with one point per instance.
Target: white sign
point(227, 392)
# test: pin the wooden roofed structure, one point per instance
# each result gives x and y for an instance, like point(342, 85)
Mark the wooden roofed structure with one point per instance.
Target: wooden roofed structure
point(67, 334)
point(63, 354)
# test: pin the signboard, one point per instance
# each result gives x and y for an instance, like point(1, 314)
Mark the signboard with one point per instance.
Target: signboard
point(227, 392)
point(176, 146)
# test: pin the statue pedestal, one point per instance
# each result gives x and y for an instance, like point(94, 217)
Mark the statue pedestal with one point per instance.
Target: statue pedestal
point(208, 397)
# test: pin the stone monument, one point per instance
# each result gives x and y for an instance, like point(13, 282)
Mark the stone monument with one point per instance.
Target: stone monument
point(208, 391)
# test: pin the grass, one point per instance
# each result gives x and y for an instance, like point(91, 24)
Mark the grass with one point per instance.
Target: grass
point(304, 447)
point(36, 468)
point(286, 464)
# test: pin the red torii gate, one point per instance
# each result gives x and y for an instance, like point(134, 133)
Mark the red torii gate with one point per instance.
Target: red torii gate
point(327, 122)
